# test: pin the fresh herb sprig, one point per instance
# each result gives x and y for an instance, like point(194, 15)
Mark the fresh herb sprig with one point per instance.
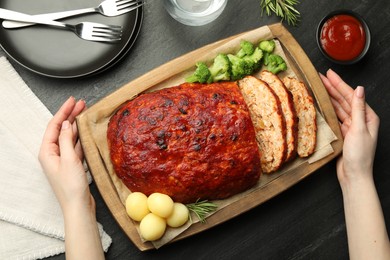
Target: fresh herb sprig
point(285, 9)
point(201, 209)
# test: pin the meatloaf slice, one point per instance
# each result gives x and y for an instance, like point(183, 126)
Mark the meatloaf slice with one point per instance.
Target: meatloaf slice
point(268, 120)
point(307, 124)
point(288, 109)
point(192, 141)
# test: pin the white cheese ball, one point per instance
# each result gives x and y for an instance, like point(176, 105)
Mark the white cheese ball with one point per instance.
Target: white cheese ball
point(160, 204)
point(152, 227)
point(179, 215)
point(137, 206)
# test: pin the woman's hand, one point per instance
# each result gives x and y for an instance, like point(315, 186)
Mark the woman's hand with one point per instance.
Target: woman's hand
point(359, 127)
point(366, 229)
point(61, 158)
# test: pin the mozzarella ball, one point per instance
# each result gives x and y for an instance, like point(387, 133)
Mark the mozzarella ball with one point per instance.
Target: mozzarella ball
point(179, 215)
point(160, 204)
point(152, 227)
point(137, 206)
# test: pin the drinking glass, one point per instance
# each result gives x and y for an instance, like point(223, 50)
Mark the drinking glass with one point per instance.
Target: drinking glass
point(195, 12)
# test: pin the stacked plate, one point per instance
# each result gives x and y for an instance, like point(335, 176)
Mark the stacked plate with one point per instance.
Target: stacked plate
point(60, 53)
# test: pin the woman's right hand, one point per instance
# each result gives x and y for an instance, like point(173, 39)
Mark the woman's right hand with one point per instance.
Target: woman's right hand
point(366, 228)
point(359, 127)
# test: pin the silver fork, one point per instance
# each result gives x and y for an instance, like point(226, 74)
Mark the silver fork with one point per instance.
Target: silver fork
point(85, 30)
point(106, 8)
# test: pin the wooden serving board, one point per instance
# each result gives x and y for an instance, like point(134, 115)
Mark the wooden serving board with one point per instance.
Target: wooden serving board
point(92, 125)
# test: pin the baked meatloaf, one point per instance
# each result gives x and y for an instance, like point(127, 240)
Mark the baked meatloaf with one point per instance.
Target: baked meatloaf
point(288, 109)
point(307, 118)
point(192, 141)
point(267, 118)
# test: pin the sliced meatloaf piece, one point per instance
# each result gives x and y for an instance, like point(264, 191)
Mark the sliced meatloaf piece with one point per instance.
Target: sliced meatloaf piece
point(267, 118)
point(307, 124)
point(288, 109)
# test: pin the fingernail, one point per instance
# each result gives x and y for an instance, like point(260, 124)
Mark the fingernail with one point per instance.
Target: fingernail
point(359, 92)
point(65, 125)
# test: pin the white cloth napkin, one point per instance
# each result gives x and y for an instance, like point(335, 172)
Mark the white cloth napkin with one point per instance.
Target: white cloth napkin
point(31, 221)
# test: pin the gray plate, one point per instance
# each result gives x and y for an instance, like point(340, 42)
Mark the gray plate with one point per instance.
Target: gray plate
point(59, 53)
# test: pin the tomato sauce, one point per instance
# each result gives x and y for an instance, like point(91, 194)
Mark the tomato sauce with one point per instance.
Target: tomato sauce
point(343, 37)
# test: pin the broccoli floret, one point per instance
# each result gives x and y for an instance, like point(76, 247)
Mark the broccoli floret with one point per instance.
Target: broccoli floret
point(240, 67)
point(220, 70)
point(275, 63)
point(202, 74)
point(255, 58)
point(247, 48)
point(265, 58)
point(267, 46)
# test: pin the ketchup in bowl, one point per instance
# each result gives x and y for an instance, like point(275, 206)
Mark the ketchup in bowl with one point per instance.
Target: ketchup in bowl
point(343, 37)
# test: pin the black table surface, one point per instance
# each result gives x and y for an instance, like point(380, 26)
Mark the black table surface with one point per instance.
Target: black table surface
point(307, 220)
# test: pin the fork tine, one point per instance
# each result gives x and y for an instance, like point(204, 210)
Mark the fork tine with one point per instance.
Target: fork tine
point(104, 39)
point(126, 9)
point(108, 28)
point(119, 2)
point(107, 34)
point(108, 37)
point(122, 6)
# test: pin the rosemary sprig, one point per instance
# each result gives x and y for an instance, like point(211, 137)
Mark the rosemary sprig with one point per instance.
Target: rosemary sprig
point(201, 209)
point(283, 8)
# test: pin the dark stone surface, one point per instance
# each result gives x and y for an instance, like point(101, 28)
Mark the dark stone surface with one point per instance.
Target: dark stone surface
point(304, 222)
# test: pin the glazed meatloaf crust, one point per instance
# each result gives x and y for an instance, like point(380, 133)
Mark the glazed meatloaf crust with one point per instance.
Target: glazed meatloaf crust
point(306, 112)
point(192, 141)
point(267, 117)
point(288, 109)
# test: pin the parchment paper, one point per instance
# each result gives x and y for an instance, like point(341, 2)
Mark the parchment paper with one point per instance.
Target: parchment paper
point(325, 135)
